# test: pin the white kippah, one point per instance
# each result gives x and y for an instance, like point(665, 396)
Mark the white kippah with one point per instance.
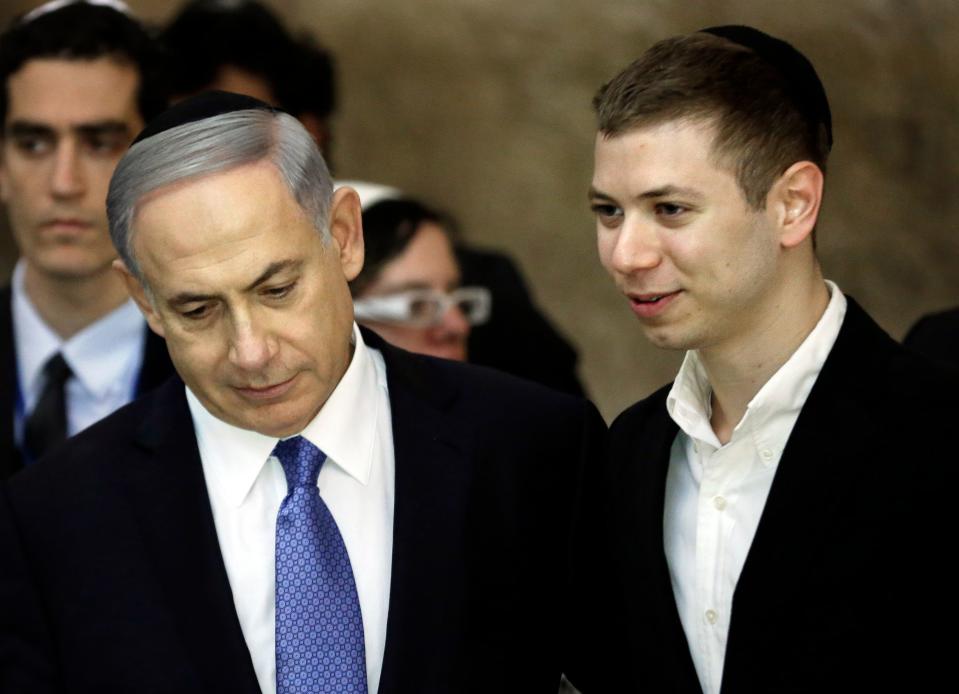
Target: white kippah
point(371, 193)
point(55, 5)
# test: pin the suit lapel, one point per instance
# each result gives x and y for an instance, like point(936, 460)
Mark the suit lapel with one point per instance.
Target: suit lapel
point(156, 368)
point(819, 465)
point(432, 485)
point(176, 522)
point(662, 629)
point(10, 459)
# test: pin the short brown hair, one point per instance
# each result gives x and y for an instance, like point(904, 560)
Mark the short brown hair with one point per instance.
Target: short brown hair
point(766, 103)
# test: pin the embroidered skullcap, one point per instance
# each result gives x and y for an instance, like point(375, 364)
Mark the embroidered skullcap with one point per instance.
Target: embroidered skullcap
point(54, 5)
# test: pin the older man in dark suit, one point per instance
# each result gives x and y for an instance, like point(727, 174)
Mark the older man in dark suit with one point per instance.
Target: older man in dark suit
point(309, 509)
point(774, 520)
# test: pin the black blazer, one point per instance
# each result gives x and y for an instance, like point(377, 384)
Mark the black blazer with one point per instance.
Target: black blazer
point(155, 369)
point(842, 587)
point(122, 587)
point(936, 336)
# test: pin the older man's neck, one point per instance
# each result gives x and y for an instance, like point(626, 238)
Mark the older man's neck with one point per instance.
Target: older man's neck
point(69, 304)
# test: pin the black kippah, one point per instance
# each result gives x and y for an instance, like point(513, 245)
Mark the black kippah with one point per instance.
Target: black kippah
point(199, 107)
point(803, 84)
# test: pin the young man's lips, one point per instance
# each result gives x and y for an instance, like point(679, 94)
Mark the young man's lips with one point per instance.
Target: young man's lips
point(270, 392)
point(651, 305)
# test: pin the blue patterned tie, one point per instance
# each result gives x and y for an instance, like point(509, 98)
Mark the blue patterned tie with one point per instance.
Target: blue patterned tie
point(319, 629)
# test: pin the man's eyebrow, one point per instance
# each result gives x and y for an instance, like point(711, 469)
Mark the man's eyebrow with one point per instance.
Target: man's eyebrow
point(100, 128)
point(668, 191)
point(25, 128)
point(187, 298)
point(661, 192)
point(594, 193)
point(21, 128)
point(273, 269)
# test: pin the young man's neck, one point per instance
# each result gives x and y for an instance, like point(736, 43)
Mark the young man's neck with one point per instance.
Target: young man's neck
point(737, 372)
point(68, 305)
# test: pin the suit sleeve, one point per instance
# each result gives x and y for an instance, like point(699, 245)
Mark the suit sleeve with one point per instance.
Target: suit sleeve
point(26, 663)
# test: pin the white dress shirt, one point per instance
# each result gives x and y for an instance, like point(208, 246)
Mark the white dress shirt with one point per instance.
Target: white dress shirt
point(105, 358)
point(715, 493)
point(246, 486)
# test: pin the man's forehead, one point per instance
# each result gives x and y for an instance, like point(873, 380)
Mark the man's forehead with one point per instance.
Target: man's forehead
point(669, 154)
point(209, 216)
point(703, 126)
point(60, 92)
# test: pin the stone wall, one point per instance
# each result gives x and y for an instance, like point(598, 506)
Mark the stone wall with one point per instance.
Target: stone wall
point(483, 107)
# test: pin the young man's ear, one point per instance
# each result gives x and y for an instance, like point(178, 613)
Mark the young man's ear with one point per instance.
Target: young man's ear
point(139, 294)
point(796, 198)
point(346, 230)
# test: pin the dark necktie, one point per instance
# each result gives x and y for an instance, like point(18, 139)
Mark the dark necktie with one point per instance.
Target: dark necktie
point(319, 628)
point(47, 424)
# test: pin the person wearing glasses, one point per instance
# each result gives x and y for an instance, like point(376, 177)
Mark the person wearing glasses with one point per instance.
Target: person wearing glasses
point(409, 289)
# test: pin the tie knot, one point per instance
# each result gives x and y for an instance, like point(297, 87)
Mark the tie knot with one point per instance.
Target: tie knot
point(301, 461)
point(56, 370)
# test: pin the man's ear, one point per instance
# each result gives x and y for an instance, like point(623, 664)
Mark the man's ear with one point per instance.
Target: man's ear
point(139, 294)
point(796, 198)
point(346, 229)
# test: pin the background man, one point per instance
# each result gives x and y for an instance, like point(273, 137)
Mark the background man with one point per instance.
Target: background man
point(432, 559)
point(78, 83)
point(769, 522)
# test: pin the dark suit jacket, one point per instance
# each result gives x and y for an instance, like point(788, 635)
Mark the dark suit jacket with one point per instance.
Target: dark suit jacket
point(936, 336)
point(155, 369)
point(843, 587)
point(122, 586)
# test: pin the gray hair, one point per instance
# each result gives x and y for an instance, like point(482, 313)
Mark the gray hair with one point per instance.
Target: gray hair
point(214, 145)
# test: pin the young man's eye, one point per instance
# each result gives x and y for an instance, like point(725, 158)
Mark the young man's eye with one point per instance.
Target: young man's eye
point(33, 146)
point(669, 209)
point(605, 210)
point(109, 143)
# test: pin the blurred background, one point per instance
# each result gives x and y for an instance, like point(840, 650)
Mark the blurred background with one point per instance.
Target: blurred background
point(482, 108)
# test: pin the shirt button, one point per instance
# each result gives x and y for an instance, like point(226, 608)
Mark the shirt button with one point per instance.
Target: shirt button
point(766, 455)
point(711, 616)
point(719, 502)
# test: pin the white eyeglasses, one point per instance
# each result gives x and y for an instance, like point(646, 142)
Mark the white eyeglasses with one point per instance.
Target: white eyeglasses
point(422, 308)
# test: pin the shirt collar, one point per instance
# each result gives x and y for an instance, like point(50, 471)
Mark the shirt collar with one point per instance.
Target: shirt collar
point(100, 355)
point(344, 429)
point(688, 402)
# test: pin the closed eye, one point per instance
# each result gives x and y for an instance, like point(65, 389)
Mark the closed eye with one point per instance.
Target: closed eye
point(197, 313)
point(280, 292)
